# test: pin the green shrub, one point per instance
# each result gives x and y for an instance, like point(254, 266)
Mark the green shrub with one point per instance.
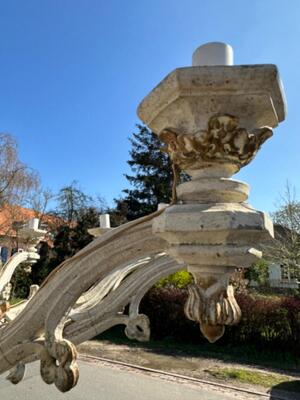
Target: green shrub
point(180, 279)
point(267, 322)
point(258, 272)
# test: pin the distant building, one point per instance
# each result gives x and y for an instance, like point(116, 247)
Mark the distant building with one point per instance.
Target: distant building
point(280, 274)
point(280, 277)
point(12, 218)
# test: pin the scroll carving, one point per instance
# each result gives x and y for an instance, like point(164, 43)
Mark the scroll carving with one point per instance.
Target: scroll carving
point(58, 365)
point(223, 141)
point(78, 303)
point(138, 328)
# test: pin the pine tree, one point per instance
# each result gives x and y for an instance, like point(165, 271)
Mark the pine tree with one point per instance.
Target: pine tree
point(151, 180)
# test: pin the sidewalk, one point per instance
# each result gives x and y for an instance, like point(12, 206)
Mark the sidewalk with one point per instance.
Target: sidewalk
point(179, 362)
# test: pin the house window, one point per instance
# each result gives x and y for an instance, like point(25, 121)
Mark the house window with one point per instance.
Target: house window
point(289, 272)
point(4, 254)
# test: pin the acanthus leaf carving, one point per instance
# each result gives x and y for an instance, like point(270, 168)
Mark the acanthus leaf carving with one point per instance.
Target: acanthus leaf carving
point(212, 307)
point(223, 141)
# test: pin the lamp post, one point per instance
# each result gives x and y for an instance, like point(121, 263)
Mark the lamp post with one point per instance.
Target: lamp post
point(31, 235)
point(214, 117)
point(104, 226)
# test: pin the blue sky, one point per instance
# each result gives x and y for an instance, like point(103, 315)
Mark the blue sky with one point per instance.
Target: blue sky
point(72, 73)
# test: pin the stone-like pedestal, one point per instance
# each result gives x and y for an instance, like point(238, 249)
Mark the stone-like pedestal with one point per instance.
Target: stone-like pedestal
point(213, 120)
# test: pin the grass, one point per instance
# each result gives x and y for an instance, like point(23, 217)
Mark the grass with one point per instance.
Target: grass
point(15, 300)
point(267, 380)
point(248, 376)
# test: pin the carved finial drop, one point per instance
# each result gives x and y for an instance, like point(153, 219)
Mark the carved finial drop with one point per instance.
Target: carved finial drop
point(213, 307)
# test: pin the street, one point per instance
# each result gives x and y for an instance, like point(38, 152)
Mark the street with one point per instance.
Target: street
point(98, 382)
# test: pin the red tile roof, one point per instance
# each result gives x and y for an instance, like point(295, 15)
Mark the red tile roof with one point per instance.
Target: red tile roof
point(10, 215)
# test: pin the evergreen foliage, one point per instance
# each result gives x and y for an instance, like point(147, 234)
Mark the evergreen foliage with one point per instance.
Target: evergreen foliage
point(21, 282)
point(151, 180)
point(68, 240)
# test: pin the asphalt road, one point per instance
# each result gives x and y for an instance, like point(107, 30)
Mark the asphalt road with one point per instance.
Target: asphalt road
point(98, 382)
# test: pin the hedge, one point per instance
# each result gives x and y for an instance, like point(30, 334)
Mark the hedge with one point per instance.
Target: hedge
point(269, 322)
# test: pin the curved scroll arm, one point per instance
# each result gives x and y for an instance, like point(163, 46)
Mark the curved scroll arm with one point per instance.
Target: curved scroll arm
point(37, 332)
point(111, 282)
point(96, 317)
point(6, 273)
point(101, 308)
point(15, 309)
